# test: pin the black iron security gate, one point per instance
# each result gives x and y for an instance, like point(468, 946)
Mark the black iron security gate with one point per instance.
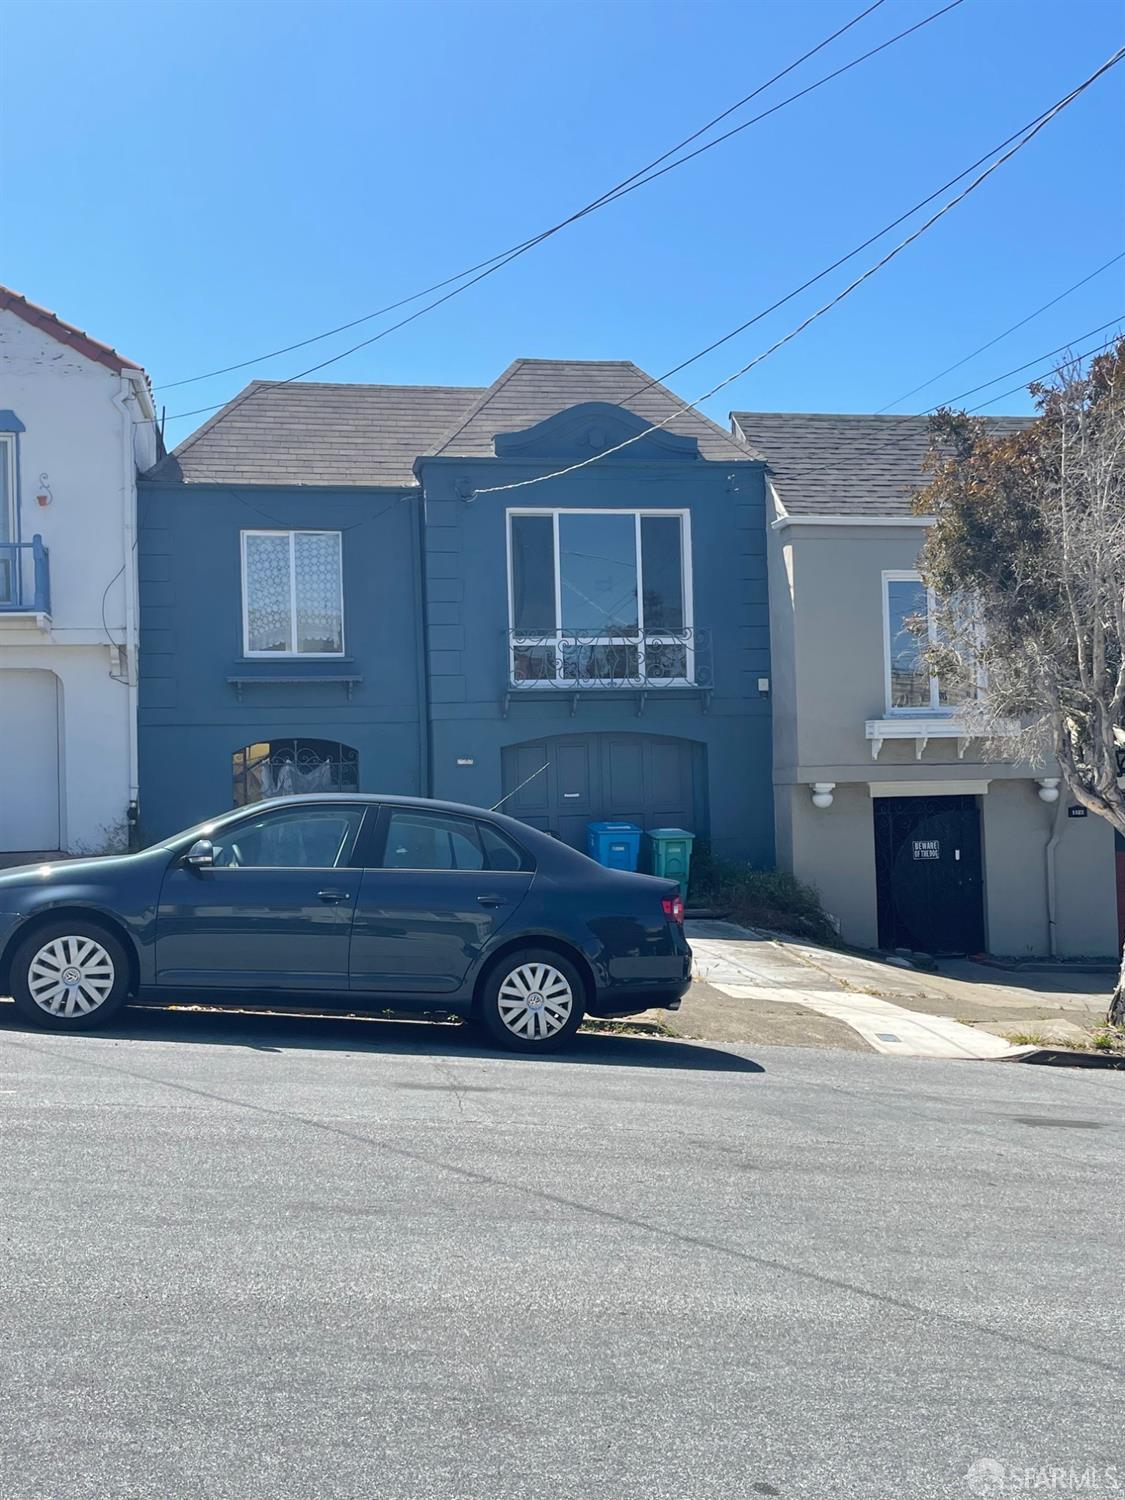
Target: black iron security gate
point(928, 874)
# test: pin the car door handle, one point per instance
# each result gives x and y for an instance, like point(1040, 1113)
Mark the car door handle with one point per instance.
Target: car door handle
point(492, 901)
point(332, 896)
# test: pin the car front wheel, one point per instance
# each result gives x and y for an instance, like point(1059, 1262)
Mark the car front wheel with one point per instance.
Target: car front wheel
point(70, 976)
point(532, 1001)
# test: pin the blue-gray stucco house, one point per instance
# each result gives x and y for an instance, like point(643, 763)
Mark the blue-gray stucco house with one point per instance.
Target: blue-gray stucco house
point(358, 586)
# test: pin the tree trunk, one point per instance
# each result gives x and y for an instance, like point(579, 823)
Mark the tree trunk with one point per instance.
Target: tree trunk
point(1116, 1013)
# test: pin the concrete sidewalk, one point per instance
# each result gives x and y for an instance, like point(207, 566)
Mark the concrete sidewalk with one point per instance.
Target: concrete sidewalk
point(765, 988)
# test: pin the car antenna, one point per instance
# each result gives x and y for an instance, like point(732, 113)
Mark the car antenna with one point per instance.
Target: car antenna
point(521, 786)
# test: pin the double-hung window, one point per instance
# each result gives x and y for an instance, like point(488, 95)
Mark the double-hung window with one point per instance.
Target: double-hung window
point(600, 598)
point(910, 629)
point(292, 593)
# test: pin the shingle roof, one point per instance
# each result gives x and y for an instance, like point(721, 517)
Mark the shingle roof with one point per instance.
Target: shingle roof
point(65, 333)
point(323, 434)
point(531, 390)
point(840, 464)
point(317, 434)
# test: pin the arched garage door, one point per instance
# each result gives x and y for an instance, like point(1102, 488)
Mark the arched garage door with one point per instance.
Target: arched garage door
point(29, 788)
point(639, 778)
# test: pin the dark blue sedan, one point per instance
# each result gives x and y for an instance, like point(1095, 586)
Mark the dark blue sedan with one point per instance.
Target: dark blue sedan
point(364, 903)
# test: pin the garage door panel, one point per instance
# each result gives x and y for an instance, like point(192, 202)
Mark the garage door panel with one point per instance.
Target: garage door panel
point(29, 789)
point(645, 779)
point(625, 774)
point(521, 764)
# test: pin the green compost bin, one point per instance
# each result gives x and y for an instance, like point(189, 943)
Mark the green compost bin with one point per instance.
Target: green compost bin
point(670, 854)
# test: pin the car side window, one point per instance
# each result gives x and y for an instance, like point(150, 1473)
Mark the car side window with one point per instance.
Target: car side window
point(499, 851)
point(427, 841)
point(314, 838)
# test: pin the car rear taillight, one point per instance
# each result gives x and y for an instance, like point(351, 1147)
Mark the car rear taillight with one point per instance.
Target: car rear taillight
point(674, 908)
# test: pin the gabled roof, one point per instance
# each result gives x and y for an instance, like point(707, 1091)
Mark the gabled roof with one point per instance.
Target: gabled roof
point(324, 434)
point(65, 333)
point(531, 390)
point(844, 464)
point(317, 434)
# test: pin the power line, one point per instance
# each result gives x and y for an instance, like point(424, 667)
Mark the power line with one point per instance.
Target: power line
point(884, 260)
point(894, 449)
point(958, 363)
point(960, 396)
point(617, 189)
point(836, 264)
point(611, 196)
point(1086, 353)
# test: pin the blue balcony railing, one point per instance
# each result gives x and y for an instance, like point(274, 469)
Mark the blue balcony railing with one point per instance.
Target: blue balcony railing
point(25, 578)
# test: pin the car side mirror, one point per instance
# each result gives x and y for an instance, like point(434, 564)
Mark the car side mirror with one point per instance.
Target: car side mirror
point(201, 855)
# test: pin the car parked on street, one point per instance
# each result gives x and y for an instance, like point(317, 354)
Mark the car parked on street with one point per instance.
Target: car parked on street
point(358, 902)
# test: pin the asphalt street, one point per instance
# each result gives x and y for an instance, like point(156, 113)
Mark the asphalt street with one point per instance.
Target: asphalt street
point(253, 1258)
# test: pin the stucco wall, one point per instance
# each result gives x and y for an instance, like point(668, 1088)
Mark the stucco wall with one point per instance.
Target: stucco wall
point(191, 642)
point(834, 850)
point(76, 449)
point(467, 602)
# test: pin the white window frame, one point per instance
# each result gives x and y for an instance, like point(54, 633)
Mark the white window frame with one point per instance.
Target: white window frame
point(293, 655)
point(935, 705)
point(685, 637)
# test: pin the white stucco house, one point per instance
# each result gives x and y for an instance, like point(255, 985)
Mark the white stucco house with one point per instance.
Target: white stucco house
point(76, 425)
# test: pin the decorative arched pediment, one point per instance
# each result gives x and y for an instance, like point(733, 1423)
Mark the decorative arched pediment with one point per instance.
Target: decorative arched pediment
point(589, 428)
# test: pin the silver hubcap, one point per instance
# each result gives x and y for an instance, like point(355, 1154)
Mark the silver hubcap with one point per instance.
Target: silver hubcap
point(70, 976)
point(535, 1001)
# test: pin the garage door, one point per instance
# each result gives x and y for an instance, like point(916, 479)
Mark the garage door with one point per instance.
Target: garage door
point(638, 778)
point(29, 775)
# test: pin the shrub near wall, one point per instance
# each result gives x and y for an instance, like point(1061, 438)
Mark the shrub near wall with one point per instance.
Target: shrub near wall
point(760, 898)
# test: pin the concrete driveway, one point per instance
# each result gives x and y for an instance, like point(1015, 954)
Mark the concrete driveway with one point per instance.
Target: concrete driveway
point(764, 988)
point(273, 1259)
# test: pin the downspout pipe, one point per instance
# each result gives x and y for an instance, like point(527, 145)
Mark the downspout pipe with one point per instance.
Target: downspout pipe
point(131, 392)
point(1052, 883)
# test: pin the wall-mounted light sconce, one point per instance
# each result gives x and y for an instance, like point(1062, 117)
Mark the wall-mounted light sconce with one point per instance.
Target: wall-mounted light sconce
point(1048, 788)
point(822, 793)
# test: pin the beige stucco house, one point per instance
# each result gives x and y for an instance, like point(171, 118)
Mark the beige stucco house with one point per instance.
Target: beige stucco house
point(883, 801)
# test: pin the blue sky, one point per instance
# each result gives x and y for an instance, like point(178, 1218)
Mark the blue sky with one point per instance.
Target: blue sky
point(199, 183)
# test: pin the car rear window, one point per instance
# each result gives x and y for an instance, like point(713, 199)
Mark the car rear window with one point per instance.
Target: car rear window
point(500, 851)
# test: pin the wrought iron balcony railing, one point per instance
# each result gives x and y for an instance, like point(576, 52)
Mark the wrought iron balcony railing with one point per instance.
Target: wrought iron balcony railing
point(25, 577)
point(573, 661)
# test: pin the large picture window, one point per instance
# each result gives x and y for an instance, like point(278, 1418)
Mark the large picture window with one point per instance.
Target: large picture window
point(292, 593)
point(600, 597)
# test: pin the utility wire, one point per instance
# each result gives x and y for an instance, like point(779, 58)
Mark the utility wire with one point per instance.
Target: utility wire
point(836, 264)
point(1086, 353)
point(611, 196)
point(617, 189)
point(957, 365)
point(852, 286)
point(1039, 358)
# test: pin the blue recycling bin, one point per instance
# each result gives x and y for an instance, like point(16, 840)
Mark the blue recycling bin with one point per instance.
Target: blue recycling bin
point(616, 845)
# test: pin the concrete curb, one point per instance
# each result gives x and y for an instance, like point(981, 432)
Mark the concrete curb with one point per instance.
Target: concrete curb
point(1064, 1057)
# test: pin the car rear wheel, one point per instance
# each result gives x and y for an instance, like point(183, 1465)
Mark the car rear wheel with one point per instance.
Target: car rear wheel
point(70, 976)
point(532, 1001)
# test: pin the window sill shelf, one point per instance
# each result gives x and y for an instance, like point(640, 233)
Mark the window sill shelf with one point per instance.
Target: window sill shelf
point(921, 728)
point(305, 679)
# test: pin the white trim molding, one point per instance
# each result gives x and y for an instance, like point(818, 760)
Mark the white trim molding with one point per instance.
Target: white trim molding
point(928, 788)
point(921, 729)
point(787, 520)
